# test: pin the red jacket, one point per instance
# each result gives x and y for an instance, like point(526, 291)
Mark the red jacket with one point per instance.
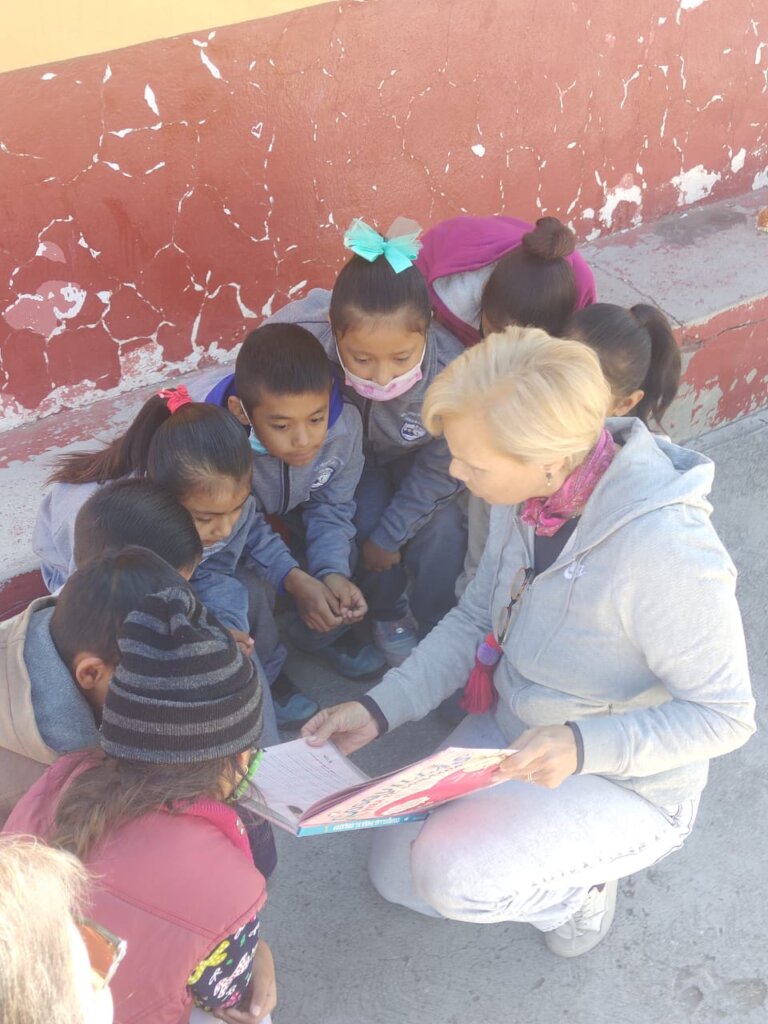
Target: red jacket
point(173, 886)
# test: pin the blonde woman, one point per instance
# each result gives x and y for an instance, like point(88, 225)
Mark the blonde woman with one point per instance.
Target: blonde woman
point(45, 970)
point(601, 639)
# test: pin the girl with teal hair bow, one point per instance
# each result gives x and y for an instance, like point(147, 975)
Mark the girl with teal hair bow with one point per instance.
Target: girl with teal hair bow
point(399, 247)
point(376, 325)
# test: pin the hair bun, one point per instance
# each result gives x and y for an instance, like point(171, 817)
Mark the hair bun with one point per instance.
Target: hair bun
point(549, 240)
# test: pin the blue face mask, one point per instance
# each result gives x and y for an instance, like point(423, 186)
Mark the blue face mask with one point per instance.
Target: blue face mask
point(253, 441)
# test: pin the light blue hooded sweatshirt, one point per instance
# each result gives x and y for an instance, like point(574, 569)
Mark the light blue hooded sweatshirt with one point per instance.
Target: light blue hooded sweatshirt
point(633, 632)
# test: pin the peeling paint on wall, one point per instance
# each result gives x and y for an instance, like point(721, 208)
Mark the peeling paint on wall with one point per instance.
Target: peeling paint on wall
point(168, 195)
point(695, 184)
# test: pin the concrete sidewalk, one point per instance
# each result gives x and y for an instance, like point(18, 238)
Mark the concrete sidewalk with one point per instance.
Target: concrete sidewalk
point(689, 940)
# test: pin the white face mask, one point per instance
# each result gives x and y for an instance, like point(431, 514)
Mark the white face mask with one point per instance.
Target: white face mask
point(383, 392)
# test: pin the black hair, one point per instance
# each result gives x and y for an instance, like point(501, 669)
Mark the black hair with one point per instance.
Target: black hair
point(127, 512)
point(365, 290)
point(533, 285)
point(181, 450)
point(637, 350)
point(96, 599)
point(280, 359)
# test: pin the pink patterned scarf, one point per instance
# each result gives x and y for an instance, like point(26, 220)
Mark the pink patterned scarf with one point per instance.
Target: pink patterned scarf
point(547, 515)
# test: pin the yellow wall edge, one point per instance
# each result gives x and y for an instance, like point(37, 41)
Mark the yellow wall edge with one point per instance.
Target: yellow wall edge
point(46, 31)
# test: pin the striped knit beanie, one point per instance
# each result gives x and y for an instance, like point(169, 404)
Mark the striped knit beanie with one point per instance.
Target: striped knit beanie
point(182, 691)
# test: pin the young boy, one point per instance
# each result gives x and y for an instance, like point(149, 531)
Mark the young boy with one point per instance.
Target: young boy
point(57, 658)
point(307, 461)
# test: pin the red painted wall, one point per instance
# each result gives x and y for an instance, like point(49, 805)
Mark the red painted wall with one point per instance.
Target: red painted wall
point(157, 199)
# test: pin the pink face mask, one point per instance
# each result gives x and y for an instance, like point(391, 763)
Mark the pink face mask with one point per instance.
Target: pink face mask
point(386, 392)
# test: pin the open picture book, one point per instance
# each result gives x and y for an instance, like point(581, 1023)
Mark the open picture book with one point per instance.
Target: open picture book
point(310, 790)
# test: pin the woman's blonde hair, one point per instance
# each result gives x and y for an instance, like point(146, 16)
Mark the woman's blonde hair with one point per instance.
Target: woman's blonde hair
point(40, 891)
point(543, 399)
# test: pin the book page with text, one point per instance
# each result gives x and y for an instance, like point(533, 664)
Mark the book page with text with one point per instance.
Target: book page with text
point(292, 776)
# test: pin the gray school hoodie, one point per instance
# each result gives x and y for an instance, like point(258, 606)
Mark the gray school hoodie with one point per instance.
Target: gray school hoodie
point(394, 429)
point(324, 494)
point(323, 491)
point(53, 535)
point(633, 632)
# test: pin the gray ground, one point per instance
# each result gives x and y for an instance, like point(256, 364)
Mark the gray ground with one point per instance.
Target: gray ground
point(689, 940)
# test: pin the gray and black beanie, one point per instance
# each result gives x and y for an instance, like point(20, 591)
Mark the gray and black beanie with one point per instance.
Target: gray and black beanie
point(182, 691)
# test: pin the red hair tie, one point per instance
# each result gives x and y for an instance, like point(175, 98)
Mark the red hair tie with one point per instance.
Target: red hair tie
point(175, 397)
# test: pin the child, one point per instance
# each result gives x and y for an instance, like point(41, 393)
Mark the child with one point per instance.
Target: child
point(307, 459)
point(200, 454)
point(485, 273)
point(376, 325)
point(641, 362)
point(56, 661)
point(638, 354)
point(180, 888)
point(129, 512)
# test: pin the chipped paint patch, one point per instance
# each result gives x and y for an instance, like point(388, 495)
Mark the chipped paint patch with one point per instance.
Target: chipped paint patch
point(623, 193)
point(695, 184)
point(737, 162)
point(43, 311)
point(150, 100)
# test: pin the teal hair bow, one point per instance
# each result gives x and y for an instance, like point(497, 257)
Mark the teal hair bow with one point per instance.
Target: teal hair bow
point(399, 247)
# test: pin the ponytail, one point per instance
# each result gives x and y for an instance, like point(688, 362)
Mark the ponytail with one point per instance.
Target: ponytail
point(637, 351)
point(533, 285)
point(174, 441)
point(125, 456)
point(662, 381)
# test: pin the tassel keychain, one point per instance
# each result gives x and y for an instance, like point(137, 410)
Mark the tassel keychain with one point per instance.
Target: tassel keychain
point(479, 693)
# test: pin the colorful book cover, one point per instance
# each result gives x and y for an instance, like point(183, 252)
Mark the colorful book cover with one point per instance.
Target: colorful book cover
point(311, 790)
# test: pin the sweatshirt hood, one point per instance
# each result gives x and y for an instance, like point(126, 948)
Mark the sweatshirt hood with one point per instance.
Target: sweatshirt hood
point(648, 473)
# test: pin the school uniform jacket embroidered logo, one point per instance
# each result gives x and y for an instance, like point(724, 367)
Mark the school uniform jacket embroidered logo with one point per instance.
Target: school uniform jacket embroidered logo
point(323, 476)
point(412, 429)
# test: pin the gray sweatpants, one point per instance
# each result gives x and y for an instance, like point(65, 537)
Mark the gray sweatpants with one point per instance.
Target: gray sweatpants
point(520, 852)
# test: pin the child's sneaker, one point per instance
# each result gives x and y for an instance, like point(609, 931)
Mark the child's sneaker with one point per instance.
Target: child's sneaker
point(292, 707)
point(396, 639)
point(361, 665)
point(588, 926)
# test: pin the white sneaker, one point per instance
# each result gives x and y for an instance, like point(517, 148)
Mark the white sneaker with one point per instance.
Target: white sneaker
point(588, 926)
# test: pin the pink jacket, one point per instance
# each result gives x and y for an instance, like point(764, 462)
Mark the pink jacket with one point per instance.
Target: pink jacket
point(172, 885)
point(463, 245)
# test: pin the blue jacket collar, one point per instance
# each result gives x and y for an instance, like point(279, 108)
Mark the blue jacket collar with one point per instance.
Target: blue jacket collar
point(225, 388)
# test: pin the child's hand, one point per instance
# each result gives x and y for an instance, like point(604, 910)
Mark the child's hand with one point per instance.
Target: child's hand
point(351, 601)
point(377, 559)
point(243, 641)
point(316, 604)
point(261, 997)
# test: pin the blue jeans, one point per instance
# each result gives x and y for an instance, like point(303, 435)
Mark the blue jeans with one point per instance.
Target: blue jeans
point(432, 560)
